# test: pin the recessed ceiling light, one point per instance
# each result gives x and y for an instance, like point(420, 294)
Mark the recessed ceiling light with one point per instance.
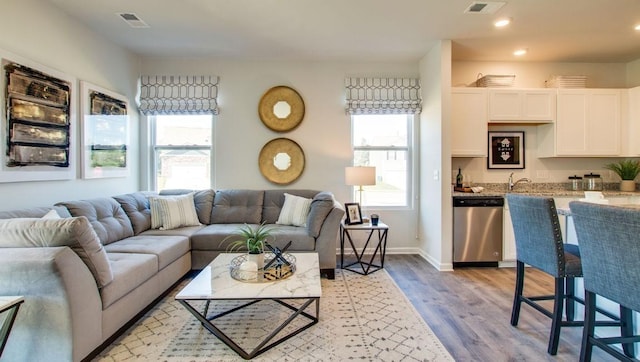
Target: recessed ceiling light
point(520, 52)
point(637, 27)
point(500, 23)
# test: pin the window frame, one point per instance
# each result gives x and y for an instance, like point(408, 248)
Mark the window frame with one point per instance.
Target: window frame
point(410, 150)
point(155, 148)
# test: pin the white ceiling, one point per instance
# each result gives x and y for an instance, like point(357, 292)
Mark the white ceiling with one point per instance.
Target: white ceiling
point(367, 30)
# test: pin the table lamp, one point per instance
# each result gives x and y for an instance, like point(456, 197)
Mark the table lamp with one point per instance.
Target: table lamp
point(360, 176)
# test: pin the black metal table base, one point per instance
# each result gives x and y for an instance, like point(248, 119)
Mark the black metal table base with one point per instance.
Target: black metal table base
point(267, 343)
point(361, 266)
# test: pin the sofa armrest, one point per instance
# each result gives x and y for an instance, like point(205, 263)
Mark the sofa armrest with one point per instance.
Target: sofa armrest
point(327, 239)
point(56, 285)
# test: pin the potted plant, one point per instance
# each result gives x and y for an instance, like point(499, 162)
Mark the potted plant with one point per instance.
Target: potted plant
point(627, 170)
point(253, 240)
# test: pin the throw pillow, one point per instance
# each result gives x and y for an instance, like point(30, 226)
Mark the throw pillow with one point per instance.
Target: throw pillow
point(173, 211)
point(74, 232)
point(52, 214)
point(294, 211)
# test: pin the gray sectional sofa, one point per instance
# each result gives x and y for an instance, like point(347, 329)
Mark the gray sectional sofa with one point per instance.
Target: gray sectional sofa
point(94, 265)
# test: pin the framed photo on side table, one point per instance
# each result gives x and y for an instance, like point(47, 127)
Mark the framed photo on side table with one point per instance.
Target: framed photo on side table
point(506, 150)
point(354, 215)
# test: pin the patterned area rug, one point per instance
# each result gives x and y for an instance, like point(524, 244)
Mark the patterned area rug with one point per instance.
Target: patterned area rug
point(361, 318)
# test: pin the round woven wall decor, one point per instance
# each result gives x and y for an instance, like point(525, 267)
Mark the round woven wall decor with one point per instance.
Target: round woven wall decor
point(294, 109)
point(281, 161)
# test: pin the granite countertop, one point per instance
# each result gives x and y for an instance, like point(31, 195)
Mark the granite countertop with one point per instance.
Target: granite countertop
point(543, 189)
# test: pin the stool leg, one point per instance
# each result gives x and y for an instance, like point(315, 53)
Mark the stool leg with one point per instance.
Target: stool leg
point(517, 297)
point(626, 330)
point(558, 303)
point(570, 301)
point(589, 326)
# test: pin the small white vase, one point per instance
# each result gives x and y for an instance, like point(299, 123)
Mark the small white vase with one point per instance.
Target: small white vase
point(627, 185)
point(258, 259)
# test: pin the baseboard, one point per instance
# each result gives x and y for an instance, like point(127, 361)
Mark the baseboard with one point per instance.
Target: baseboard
point(412, 251)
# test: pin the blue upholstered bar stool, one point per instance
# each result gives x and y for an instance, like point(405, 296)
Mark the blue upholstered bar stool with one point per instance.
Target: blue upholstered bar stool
point(539, 244)
point(609, 238)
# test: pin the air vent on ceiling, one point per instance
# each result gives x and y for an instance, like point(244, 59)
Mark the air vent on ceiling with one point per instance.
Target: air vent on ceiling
point(133, 20)
point(484, 7)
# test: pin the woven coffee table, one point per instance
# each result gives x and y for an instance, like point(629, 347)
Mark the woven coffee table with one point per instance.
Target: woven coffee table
point(214, 283)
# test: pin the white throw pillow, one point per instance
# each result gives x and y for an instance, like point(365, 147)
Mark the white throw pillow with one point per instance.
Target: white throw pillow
point(75, 232)
point(52, 214)
point(294, 211)
point(170, 212)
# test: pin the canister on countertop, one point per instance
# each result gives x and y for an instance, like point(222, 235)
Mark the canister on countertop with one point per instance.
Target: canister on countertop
point(575, 183)
point(592, 182)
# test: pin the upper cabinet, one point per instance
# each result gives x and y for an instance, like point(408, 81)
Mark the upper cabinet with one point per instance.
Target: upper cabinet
point(587, 124)
point(522, 105)
point(469, 122)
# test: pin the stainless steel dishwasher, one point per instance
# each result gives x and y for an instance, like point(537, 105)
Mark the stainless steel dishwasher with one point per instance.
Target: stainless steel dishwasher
point(477, 230)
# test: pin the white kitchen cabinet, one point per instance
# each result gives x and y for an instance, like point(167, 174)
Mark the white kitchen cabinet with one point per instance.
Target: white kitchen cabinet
point(508, 236)
point(469, 122)
point(630, 123)
point(522, 105)
point(587, 125)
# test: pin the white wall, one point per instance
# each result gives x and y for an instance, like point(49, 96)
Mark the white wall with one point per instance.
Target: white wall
point(435, 157)
point(39, 32)
point(324, 134)
point(533, 75)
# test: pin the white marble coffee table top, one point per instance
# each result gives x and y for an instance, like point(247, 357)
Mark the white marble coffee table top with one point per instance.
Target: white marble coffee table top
point(215, 282)
point(7, 301)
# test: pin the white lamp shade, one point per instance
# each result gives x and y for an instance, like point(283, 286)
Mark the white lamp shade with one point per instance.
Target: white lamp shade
point(360, 176)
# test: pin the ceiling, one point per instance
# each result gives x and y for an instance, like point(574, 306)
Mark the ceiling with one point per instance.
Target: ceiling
point(367, 30)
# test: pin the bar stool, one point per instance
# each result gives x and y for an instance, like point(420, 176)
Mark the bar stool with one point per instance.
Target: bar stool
point(609, 238)
point(539, 244)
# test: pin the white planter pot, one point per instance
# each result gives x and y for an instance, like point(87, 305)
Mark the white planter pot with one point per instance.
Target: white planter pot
point(258, 259)
point(627, 185)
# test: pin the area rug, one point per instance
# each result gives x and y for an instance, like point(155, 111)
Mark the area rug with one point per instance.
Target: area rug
point(364, 318)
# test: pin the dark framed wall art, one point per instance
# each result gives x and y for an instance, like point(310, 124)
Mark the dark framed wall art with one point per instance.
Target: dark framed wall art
point(38, 122)
point(506, 150)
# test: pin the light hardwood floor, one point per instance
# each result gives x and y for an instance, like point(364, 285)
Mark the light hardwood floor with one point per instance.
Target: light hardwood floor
point(469, 310)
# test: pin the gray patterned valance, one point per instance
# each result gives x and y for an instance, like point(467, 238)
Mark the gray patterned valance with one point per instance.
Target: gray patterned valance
point(383, 96)
point(177, 94)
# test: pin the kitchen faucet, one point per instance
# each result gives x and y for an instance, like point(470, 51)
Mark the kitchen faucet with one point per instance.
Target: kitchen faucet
point(511, 184)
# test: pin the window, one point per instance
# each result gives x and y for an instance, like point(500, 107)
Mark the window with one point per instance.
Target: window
point(384, 141)
point(182, 151)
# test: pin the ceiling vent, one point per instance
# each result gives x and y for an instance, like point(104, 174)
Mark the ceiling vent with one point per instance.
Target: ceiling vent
point(484, 7)
point(133, 20)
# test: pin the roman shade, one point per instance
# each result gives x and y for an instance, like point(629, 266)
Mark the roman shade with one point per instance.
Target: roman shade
point(177, 94)
point(383, 96)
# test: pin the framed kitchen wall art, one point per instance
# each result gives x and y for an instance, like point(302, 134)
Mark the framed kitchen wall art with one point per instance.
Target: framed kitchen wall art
point(506, 150)
point(105, 132)
point(38, 122)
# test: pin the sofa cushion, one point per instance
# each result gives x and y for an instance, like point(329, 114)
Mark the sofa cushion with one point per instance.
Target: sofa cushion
point(274, 200)
point(237, 206)
point(215, 237)
point(129, 271)
point(294, 211)
point(136, 206)
point(167, 248)
point(203, 199)
point(321, 206)
point(170, 212)
point(301, 240)
point(106, 216)
point(74, 232)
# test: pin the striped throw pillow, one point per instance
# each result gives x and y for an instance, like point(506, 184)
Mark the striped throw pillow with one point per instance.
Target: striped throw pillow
point(294, 211)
